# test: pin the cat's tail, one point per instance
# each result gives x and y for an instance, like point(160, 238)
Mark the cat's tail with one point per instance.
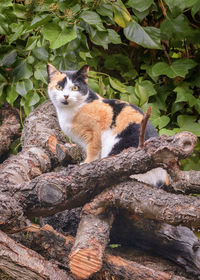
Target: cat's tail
point(157, 177)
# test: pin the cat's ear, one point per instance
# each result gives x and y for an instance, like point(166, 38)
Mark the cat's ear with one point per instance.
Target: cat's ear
point(84, 72)
point(51, 70)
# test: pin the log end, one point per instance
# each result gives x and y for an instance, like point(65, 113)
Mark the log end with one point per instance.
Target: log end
point(84, 263)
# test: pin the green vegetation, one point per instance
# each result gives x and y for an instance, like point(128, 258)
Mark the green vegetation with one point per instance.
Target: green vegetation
point(142, 51)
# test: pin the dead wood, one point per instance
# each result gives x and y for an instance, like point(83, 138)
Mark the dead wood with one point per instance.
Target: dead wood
point(10, 127)
point(55, 192)
point(53, 245)
point(38, 155)
point(178, 244)
point(148, 203)
point(189, 182)
point(92, 237)
point(22, 263)
point(143, 126)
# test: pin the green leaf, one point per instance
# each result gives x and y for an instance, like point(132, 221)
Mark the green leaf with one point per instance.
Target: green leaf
point(105, 10)
point(121, 14)
point(22, 71)
point(19, 10)
point(116, 84)
point(140, 5)
point(41, 53)
point(24, 86)
point(91, 17)
point(34, 99)
point(179, 68)
point(185, 94)
point(148, 37)
point(188, 123)
point(161, 121)
point(114, 37)
point(31, 43)
point(9, 58)
point(195, 9)
point(56, 36)
point(144, 89)
point(41, 73)
point(11, 94)
point(39, 20)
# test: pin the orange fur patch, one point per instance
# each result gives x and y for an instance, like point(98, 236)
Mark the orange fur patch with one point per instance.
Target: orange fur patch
point(128, 115)
point(89, 122)
point(57, 77)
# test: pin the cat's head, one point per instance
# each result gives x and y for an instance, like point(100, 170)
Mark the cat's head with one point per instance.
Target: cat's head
point(67, 88)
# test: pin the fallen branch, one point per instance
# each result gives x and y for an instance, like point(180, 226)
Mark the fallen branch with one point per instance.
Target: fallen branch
point(22, 263)
point(143, 126)
point(53, 245)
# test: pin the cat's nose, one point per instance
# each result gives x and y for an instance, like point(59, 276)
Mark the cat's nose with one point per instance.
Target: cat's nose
point(66, 97)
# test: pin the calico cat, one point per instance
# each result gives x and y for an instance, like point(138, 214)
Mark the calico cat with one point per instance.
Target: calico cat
point(102, 127)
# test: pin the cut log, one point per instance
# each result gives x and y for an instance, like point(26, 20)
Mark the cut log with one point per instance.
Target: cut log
point(22, 263)
point(92, 237)
point(10, 127)
point(57, 246)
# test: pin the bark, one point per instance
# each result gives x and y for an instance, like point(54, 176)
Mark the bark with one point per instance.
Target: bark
point(189, 182)
point(22, 263)
point(57, 246)
point(149, 203)
point(92, 237)
point(55, 192)
point(40, 136)
point(178, 244)
point(9, 129)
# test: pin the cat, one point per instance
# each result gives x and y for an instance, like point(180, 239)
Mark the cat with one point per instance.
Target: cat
point(102, 127)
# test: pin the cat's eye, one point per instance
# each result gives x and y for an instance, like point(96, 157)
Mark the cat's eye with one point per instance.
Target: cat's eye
point(59, 87)
point(75, 88)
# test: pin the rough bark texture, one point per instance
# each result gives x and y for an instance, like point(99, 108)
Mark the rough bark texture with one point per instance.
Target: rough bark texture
point(26, 192)
point(91, 240)
point(57, 246)
point(10, 127)
point(54, 192)
point(149, 203)
point(22, 263)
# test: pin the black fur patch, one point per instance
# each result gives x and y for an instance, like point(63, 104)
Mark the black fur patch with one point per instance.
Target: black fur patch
point(91, 96)
point(129, 137)
point(62, 82)
point(78, 80)
point(117, 107)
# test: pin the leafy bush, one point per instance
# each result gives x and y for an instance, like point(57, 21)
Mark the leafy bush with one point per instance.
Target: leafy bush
point(142, 51)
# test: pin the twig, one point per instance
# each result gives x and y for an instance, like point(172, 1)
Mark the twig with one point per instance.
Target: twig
point(143, 127)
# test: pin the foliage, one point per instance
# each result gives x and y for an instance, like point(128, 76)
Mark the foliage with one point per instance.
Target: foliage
point(142, 51)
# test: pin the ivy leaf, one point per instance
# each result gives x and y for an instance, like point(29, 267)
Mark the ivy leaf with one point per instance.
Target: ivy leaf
point(9, 58)
point(91, 17)
point(24, 86)
point(31, 43)
point(11, 94)
point(22, 71)
point(140, 5)
point(105, 10)
point(185, 94)
point(57, 36)
point(195, 9)
point(34, 99)
point(189, 123)
point(144, 89)
point(161, 121)
point(114, 37)
point(121, 14)
point(41, 73)
point(41, 53)
point(148, 37)
point(39, 20)
point(116, 84)
point(179, 68)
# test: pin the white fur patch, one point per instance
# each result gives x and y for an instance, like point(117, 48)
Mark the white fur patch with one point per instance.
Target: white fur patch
point(152, 177)
point(108, 140)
